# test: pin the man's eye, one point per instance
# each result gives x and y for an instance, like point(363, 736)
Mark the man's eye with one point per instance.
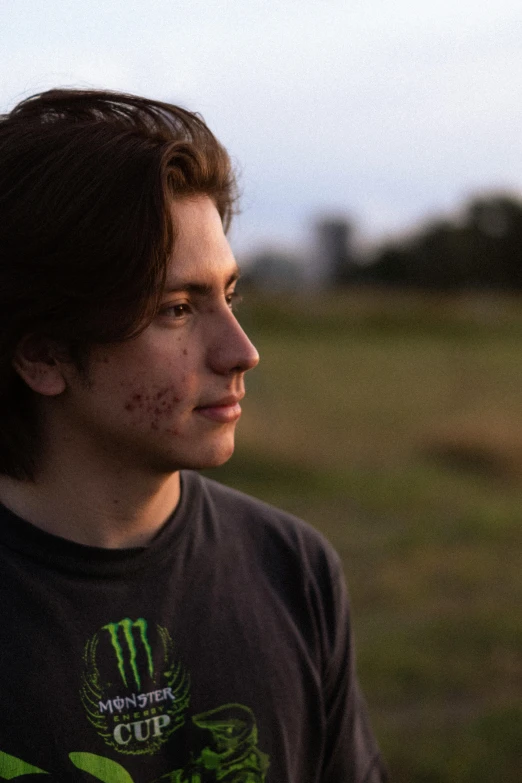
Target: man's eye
point(176, 310)
point(233, 299)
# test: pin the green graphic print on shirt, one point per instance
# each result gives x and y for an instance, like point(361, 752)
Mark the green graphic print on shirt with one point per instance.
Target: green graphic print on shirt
point(134, 706)
point(136, 700)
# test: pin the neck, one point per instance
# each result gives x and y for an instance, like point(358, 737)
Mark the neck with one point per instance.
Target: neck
point(111, 511)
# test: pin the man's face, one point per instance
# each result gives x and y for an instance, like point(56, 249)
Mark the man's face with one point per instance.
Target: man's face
point(169, 398)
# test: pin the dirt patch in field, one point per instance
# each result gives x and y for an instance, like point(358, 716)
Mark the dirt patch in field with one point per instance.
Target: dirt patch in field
point(490, 445)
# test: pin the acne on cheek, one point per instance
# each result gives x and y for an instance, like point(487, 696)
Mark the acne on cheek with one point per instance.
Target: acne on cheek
point(136, 402)
point(156, 405)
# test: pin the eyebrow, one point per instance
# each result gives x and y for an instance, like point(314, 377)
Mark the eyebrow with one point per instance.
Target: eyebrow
point(202, 289)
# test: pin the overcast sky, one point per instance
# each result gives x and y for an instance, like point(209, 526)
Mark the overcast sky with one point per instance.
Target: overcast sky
point(386, 110)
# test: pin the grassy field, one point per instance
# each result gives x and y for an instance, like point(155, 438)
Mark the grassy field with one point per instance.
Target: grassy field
point(393, 423)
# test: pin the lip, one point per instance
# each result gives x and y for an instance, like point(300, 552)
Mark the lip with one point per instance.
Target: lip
point(224, 411)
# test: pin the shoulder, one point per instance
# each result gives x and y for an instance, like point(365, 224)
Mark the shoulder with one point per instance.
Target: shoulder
point(242, 509)
point(273, 533)
point(283, 559)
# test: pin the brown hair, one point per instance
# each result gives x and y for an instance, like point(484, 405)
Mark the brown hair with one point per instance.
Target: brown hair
point(86, 183)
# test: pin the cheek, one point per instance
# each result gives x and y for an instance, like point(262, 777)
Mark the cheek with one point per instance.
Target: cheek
point(154, 406)
point(154, 388)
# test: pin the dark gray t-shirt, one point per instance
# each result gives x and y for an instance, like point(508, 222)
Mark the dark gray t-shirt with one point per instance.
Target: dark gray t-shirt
point(220, 652)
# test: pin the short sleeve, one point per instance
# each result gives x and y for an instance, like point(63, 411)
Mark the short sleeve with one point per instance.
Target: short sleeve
point(351, 751)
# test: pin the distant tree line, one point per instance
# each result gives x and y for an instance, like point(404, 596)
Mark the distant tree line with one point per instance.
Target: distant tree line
point(479, 249)
point(482, 250)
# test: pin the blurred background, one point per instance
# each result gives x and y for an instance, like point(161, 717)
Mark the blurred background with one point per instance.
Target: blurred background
point(380, 158)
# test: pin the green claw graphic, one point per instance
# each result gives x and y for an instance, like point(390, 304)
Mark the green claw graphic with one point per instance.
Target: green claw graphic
point(11, 767)
point(101, 768)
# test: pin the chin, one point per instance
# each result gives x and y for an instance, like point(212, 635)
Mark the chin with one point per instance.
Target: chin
point(214, 460)
point(199, 459)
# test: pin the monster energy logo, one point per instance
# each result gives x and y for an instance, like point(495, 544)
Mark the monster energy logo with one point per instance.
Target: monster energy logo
point(126, 626)
point(141, 719)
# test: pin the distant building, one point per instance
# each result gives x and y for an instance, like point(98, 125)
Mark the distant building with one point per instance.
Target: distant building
point(334, 250)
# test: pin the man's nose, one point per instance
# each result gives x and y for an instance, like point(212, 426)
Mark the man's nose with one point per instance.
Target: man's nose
point(231, 350)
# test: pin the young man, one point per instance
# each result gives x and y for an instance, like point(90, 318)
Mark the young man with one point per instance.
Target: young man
point(156, 626)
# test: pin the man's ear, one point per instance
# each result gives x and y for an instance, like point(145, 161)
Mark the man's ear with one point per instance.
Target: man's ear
point(36, 361)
